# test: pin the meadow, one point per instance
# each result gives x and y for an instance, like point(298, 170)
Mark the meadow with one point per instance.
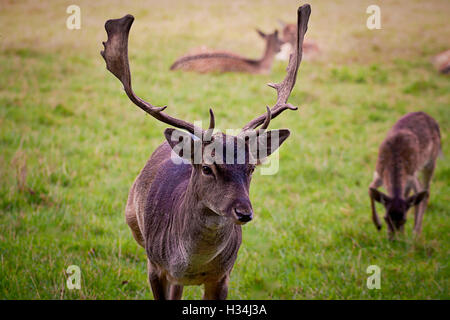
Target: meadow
point(71, 145)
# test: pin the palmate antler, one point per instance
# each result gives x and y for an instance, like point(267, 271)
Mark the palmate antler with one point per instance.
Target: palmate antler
point(116, 57)
point(285, 87)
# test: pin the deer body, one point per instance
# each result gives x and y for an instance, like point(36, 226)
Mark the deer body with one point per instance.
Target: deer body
point(187, 205)
point(184, 240)
point(411, 146)
point(222, 61)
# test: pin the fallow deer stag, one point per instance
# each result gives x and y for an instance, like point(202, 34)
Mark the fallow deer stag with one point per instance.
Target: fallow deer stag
point(222, 61)
point(411, 146)
point(188, 215)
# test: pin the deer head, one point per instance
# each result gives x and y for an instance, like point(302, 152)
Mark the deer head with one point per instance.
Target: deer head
point(396, 207)
point(288, 32)
point(272, 40)
point(221, 164)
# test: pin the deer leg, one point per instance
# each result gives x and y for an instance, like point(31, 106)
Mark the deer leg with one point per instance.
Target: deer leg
point(131, 218)
point(158, 283)
point(416, 188)
point(175, 292)
point(217, 290)
point(407, 191)
point(376, 183)
point(409, 186)
point(391, 229)
point(427, 175)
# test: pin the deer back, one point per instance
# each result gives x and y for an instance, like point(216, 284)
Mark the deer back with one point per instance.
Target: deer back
point(215, 61)
point(223, 61)
point(412, 143)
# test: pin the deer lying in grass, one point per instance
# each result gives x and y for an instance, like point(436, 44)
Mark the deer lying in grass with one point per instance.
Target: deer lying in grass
point(288, 38)
point(442, 62)
point(222, 61)
point(188, 215)
point(412, 145)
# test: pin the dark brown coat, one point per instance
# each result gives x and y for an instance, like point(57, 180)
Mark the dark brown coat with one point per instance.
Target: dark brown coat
point(411, 146)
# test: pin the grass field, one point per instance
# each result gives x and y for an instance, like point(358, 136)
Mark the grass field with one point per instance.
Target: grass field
point(71, 144)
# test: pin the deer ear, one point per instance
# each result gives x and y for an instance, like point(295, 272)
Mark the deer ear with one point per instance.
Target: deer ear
point(379, 196)
point(270, 141)
point(415, 199)
point(261, 34)
point(182, 144)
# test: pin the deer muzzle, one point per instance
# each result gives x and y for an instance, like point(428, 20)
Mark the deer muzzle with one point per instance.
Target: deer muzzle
point(243, 216)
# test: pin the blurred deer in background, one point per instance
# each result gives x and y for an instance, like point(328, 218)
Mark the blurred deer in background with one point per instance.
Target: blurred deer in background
point(222, 61)
point(442, 62)
point(188, 215)
point(411, 146)
point(289, 37)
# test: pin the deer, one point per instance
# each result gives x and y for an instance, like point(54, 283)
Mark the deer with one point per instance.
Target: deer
point(288, 39)
point(223, 61)
point(185, 208)
point(442, 62)
point(411, 147)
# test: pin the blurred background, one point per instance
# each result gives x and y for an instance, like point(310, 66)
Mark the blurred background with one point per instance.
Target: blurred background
point(71, 144)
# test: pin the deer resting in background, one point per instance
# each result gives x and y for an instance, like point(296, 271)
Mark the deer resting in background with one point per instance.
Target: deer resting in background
point(411, 146)
point(288, 38)
point(442, 62)
point(188, 215)
point(222, 61)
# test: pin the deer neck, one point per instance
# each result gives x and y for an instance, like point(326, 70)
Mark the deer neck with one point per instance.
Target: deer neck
point(267, 59)
point(204, 232)
point(395, 179)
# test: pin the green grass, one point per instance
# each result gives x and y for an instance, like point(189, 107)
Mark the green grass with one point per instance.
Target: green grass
point(71, 145)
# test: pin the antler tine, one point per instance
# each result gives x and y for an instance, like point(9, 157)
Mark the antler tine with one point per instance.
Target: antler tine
point(212, 121)
point(285, 87)
point(266, 123)
point(116, 58)
point(212, 124)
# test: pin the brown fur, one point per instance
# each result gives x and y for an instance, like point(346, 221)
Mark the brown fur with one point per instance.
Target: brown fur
point(222, 61)
point(289, 35)
point(411, 146)
point(187, 220)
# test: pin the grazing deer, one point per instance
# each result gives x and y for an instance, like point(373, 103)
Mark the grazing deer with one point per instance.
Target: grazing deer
point(412, 145)
point(289, 37)
point(188, 215)
point(222, 61)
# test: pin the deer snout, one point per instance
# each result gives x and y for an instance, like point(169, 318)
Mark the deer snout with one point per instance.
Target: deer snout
point(243, 216)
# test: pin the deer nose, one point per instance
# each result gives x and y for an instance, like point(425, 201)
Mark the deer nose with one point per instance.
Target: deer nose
point(243, 216)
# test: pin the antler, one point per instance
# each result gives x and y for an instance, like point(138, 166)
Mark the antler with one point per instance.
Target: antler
point(285, 87)
point(116, 57)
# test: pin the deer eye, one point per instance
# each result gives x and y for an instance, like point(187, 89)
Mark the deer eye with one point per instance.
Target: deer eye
point(207, 170)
